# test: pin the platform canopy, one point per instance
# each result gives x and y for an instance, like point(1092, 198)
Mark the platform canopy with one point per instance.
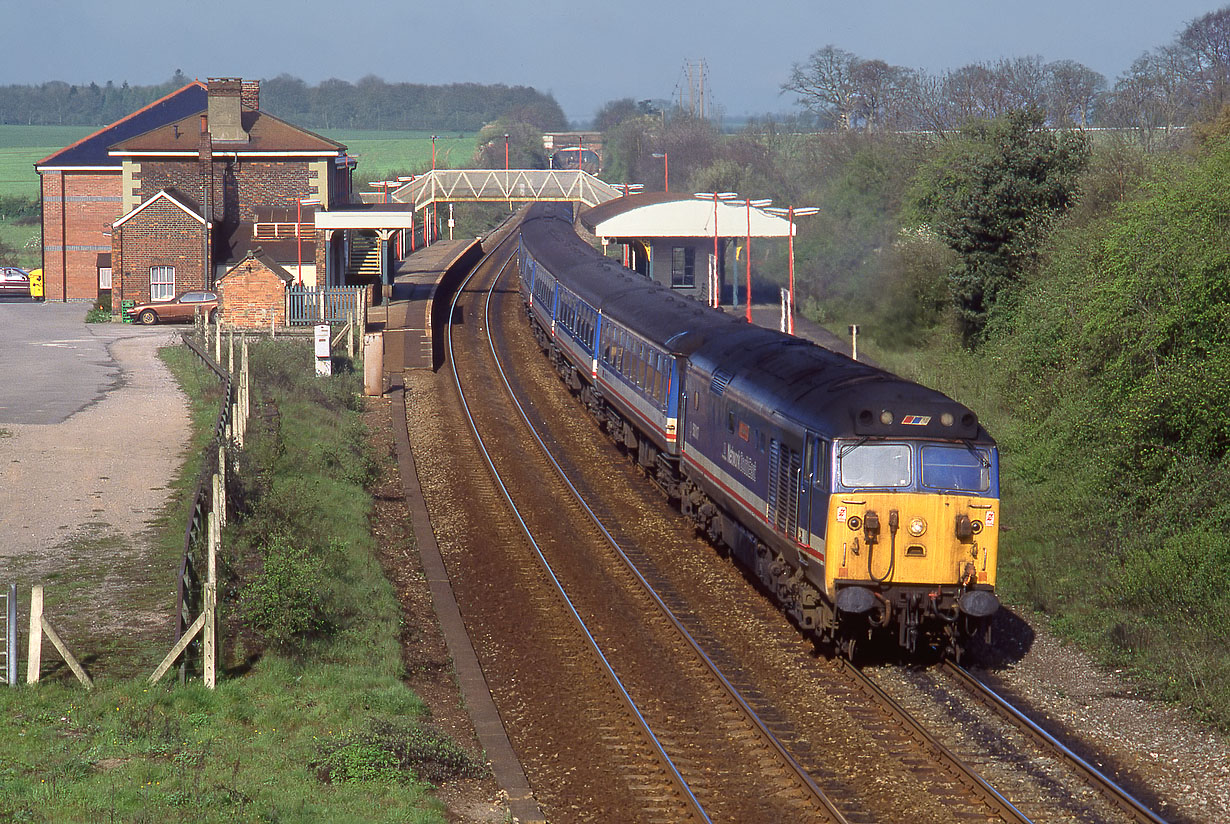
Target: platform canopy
point(663, 215)
point(367, 216)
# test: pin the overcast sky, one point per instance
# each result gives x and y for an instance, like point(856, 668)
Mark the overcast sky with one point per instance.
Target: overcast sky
point(583, 53)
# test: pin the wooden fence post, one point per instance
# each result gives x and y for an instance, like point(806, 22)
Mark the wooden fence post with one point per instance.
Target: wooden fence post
point(39, 625)
point(222, 479)
point(34, 650)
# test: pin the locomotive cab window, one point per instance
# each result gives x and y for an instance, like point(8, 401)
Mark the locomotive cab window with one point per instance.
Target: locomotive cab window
point(874, 465)
point(956, 468)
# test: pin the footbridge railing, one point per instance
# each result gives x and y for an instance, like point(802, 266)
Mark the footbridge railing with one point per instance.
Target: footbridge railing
point(504, 185)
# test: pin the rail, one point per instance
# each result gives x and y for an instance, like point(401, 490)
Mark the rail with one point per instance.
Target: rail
point(991, 699)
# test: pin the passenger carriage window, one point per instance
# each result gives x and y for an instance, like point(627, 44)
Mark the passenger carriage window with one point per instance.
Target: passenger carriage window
point(956, 467)
point(730, 420)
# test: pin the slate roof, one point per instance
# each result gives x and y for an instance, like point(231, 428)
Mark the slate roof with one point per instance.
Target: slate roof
point(266, 133)
point(92, 150)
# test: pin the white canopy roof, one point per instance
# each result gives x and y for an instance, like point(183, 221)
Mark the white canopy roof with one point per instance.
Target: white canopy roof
point(692, 218)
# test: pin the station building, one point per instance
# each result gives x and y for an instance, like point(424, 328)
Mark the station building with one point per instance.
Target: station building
point(172, 196)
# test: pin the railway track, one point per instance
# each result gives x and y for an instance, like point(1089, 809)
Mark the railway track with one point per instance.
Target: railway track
point(1117, 796)
point(775, 784)
point(875, 765)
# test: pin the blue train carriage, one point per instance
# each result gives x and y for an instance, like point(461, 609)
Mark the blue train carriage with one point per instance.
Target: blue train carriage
point(643, 349)
point(864, 502)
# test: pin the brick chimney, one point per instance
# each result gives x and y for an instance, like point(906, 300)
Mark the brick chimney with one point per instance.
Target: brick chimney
point(251, 95)
point(225, 110)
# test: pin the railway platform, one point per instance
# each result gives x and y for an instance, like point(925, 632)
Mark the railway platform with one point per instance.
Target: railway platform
point(411, 320)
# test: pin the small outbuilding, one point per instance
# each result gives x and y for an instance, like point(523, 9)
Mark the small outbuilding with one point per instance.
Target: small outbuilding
point(252, 293)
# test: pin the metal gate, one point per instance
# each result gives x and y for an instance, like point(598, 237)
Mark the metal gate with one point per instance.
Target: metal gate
point(8, 636)
point(306, 306)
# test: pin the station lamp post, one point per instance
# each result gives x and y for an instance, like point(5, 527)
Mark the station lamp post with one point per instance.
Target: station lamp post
point(299, 204)
point(427, 226)
point(666, 169)
point(747, 248)
point(790, 213)
point(715, 280)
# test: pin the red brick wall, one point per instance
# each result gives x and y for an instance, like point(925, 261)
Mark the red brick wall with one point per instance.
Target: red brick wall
point(238, 188)
point(161, 235)
point(92, 202)
point(251, 296)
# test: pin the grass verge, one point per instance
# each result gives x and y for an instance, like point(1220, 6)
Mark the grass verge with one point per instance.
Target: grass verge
point(311, 720)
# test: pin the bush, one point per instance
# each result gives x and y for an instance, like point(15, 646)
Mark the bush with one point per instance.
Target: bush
point(287, 602)
point(100, 312)
point(392, 749)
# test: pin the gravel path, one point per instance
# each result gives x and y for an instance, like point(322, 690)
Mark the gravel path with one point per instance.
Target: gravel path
point(79, 493)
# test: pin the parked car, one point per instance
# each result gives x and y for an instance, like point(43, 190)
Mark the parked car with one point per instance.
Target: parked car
point(183, 308)
point(14, 281)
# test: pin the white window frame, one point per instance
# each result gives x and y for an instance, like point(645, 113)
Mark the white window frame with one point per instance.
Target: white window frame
point(160, 289)
point(104, 277)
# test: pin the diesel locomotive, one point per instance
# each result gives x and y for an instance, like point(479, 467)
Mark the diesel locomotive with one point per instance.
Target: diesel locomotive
point(863, 503)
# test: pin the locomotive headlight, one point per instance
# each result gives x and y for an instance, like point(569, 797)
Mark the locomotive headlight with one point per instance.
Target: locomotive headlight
point(946, 419)
point(917, 527)
point(886, 418)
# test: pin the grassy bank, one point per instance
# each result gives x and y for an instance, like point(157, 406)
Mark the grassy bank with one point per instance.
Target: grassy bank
point(311, 720)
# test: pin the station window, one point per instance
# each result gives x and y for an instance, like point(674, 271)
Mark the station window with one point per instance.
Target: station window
point(683, 267)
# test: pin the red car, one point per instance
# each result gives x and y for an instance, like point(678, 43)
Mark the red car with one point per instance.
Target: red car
point(183, 308)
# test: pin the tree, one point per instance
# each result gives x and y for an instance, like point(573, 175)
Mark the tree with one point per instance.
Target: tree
point(852, 92)
point(525, 149)
point(992, 196)
point(825, 84)
point(1207, 40)
point(1072, 92)
point(614, 112)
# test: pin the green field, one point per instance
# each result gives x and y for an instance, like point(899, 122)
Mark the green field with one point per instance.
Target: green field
point(22, 146)
point(382, 153)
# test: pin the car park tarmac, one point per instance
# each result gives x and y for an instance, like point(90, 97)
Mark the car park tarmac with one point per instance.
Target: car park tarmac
point(92, 429)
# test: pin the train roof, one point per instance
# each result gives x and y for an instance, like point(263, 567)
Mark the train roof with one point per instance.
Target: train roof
point(774, 373)
point(792, 378)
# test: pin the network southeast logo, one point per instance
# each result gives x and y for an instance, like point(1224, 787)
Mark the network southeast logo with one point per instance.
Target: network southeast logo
point(739, 461)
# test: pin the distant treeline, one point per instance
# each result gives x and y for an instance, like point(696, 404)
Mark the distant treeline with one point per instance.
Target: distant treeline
point(333, 104)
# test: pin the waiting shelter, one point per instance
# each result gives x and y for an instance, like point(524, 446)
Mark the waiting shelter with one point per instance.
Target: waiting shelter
point(681, 241)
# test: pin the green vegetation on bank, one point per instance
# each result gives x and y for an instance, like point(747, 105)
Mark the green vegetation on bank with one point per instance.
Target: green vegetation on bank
point(311, 721)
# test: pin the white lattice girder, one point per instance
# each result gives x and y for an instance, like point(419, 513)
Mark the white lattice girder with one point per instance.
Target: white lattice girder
point(499, 185)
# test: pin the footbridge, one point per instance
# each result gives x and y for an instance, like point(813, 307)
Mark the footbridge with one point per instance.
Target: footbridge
point(362, 241)
point(503, 186)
